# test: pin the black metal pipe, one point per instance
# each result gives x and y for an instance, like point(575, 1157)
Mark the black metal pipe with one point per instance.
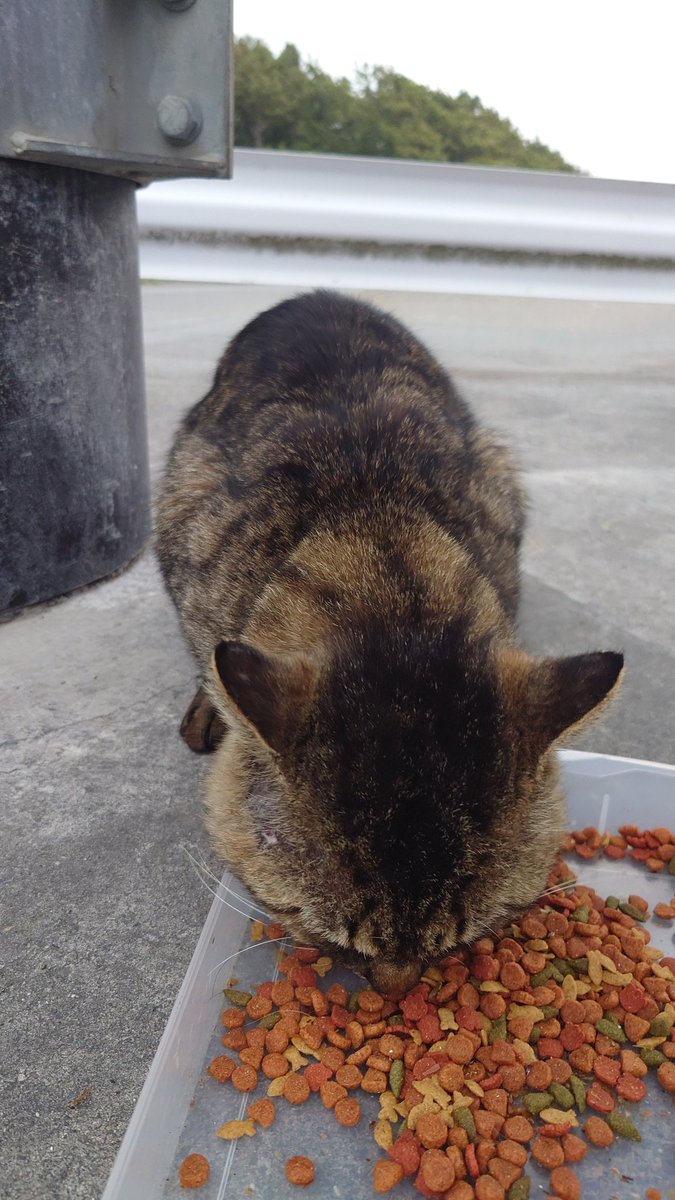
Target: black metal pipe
point(74, 486)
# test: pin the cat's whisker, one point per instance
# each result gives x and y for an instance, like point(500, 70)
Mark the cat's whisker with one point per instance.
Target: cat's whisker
point(560, 887)
point(253, 946)
point(203, 865)
point(222, 899)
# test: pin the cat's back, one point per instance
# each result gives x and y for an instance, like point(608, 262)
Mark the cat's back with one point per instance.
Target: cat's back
point(325, 414)
point(321, 352)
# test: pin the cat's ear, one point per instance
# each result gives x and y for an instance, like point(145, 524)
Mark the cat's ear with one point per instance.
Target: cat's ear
point(552, 697)
point(271, 693)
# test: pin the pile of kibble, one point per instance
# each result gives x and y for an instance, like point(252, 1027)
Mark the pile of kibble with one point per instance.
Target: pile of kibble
point(532, 1044)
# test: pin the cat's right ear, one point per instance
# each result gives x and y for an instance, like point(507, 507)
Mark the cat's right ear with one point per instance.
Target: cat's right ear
point(271, 693)
point(552, 698)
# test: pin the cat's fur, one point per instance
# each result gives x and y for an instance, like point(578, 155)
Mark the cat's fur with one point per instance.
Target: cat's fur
point(341, 540)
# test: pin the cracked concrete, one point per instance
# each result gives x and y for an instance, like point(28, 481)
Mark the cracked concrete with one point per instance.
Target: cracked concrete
point(100, 908)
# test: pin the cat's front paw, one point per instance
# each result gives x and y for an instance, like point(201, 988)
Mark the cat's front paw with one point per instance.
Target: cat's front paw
point(202, 726)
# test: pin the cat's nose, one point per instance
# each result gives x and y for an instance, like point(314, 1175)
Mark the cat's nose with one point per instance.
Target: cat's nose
point(395, 979)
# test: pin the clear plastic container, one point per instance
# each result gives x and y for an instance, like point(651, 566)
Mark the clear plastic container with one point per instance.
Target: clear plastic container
point(180, 1106)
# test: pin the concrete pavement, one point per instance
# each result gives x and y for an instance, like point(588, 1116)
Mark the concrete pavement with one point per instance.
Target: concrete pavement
point(100, 909)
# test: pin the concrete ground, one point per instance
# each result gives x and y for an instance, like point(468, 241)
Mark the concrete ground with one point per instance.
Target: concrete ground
point(100, 907)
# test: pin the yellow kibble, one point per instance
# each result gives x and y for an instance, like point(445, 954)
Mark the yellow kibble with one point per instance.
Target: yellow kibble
point(383, 1134)
point(301, 1045)
point(556, 1116)
point(237, 1129)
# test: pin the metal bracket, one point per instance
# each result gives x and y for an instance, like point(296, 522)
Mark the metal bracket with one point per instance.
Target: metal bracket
point(135, 88)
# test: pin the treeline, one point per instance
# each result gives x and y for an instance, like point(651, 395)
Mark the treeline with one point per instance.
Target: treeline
point(283, 103)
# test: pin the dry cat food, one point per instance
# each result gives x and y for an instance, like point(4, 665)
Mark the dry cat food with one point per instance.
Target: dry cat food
point(194, 1171)
point(534, 1044)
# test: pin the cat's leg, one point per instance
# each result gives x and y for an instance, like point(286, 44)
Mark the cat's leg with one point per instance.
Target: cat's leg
point(202, 726)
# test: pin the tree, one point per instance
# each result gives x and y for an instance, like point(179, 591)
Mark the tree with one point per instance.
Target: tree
point(285, 104)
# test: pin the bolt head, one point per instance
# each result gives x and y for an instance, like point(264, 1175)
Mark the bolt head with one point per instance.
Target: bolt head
point(180, 119)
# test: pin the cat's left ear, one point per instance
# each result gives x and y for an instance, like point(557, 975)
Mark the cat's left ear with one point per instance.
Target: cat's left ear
point(271, 693)
point(555, 697)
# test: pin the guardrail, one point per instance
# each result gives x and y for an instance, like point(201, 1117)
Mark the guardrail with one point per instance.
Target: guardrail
point(309, 218)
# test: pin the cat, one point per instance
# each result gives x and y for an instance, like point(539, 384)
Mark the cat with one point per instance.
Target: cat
point(340, 537)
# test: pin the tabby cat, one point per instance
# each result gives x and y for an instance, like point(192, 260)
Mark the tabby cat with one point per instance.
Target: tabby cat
point(340, 537)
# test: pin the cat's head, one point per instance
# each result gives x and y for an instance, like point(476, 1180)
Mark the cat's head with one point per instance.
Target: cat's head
point(400, 796)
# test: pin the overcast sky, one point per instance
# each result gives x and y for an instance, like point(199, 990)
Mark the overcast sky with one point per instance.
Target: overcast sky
point(594, 79)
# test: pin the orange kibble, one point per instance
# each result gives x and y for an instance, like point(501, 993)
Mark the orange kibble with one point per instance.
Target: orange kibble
point(349, 1076)
point(459, 1049)
point(259, 1006)
point(432, 1131)
point(519, 1129)
point(282, 992)
point(451, 1077)
point(194, 1171)
point(245, 1078)
point(296, 1088)
point(276, 1040)
point(274, 1065)
point(300, 1170)
point(235, 1039)
point(332, 1057)
point(331, 1092)
point(598, 1132)
point(348, 1112)
point(391, 1046)
point(251, 1056)
point(488, 1188)
point(221, 1068)
point(371, 1002)
point(512, 1152)
point(513, 976)
point(565, 1183)
point(574, 1147)
point(437, 1171)
point(549, 1152)
point(233, 1018)
point(262, 1111)
point(354, 1031)
point(387, 1175)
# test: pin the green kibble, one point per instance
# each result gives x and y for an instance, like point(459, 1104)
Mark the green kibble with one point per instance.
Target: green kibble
point(562, 1096)
point(269, 1021)
point(661, 1025)
point(397, 1076)
point(612, 902)
point(621, 1123)
point(498, 1031)
point(536, 1101)
point(535, 1035)
point(550, 1010)
point(542, 977)
point(671, 866)
point(239, 999)
point(611, 1029)
point(354, 1002)
point(582, 913)
point(653, 1057)
point(579, 965)
point(520, 1190)
point(578, 1090)
point(396, 1019)
point(463, 1117)
point(631, 911)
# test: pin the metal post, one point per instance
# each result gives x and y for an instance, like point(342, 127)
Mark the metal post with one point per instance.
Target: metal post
point(93, 100)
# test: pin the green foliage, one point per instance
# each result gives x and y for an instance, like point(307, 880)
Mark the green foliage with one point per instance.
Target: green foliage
point(284, 103)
